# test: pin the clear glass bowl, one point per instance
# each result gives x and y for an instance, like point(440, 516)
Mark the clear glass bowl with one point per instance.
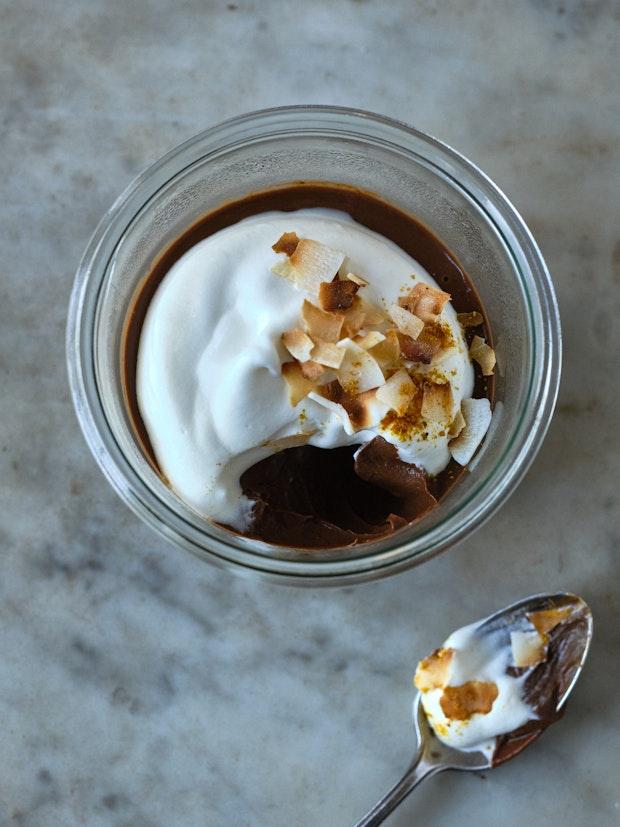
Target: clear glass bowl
point(404, 166)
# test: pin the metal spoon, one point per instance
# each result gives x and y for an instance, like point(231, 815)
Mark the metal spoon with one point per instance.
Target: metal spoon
point(434, 756)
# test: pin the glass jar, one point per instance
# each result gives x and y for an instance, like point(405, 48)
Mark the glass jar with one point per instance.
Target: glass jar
point(405, 167)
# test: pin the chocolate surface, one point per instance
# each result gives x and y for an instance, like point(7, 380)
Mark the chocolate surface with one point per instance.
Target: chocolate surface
point(309, 497)
point(545, 686)
point(317, 498)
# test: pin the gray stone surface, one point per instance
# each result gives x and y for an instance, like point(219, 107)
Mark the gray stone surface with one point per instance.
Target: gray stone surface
point(140, 687)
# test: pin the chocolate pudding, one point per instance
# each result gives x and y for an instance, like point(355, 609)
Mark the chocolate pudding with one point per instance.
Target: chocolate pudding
point(563, 633)
point(495, 687)
point(323, 493)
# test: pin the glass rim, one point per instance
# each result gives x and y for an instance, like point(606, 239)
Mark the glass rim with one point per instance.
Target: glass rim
point(398, 552)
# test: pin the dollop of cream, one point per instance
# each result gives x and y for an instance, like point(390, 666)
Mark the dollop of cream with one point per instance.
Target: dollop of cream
point(209, 383)
point(470, 655)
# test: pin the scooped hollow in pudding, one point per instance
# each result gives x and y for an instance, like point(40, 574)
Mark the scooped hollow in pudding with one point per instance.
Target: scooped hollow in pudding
point(247, 351)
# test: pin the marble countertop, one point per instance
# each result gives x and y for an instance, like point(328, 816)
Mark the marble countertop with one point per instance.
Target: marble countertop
point(140, 687)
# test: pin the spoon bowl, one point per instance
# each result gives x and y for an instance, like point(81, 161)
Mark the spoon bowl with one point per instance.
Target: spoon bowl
point(435, 756)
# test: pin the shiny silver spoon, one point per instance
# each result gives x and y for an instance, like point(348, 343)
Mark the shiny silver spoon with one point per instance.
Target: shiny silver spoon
point(434, 756)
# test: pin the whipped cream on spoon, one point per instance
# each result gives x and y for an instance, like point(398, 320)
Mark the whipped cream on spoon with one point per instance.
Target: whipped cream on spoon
point(548, 634)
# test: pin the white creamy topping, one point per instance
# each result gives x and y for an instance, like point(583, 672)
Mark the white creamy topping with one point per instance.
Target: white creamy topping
point(209, 381)
point(480, 657)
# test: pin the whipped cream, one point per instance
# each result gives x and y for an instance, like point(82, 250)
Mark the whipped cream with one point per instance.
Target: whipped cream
point(481, 657)
point(209, 383)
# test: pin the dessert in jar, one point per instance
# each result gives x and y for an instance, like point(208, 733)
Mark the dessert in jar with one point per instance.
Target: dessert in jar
point(309, 366)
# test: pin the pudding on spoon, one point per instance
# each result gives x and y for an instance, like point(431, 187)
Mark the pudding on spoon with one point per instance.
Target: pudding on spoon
point(492, 687)
point(478, 667)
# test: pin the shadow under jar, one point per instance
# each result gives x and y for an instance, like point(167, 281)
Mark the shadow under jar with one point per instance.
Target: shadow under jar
point(405, 168)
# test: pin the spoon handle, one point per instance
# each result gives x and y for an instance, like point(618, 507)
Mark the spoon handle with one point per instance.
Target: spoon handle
point(417, 771)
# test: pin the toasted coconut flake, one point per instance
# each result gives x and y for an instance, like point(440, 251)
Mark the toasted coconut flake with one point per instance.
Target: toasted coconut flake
point(373, 315)
point(406, 322)
point(483, 354)
point(438, 339)
point(314, 263)
point(291, 441)
point(387, 353)
point(344, 268)
point(298, 385)
point(397, 392)
point(320, 324)
point(473, 319)
point(359, 372)
point(328, 354)
point(459, 703)
point(416, 351)
point(370, 339)
point(354, 318)
point(287, 243)
point(407, 302)
point(298, 344)
point(362, 409)
point(477, 415)
point(312, 370)
point(426, 307)
point(285, 270)
point(425, 301)
point(336, 408)
point(528, 648)
point(545, 620)
point(356, 279)
point(434, 671)
point(457, 425)
point(309, 264)
point(437, 402)
point(337, 295)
